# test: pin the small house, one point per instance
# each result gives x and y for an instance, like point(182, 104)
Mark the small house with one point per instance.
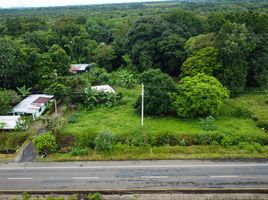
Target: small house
point(33, 105)
point(103, 88)
point(9, 122)
point(80, 68)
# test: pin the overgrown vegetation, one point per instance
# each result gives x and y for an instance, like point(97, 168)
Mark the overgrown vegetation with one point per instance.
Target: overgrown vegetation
point(90, 196)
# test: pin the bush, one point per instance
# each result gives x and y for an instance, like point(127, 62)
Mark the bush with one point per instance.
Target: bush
point(142, 140)
point(199, 95)
point(207, 124)
point(104, 141)
point(80, 151)
point(86, 139)
point(107, 99)
point(209, 138)
point(98, 76)
point(157, 89)
point(59, 90)
point(251, 147)
point(73, 119)
point(7, 99)
point(65, 140)
point(183, 139)
point(183, 142)
point(124, 78)
point(12, 140)
point(95, 196)
point(263, 124)
point(162, 139)
point(45, 143)
point(242, 110)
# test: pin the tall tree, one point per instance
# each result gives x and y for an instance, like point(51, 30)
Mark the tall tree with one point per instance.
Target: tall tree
point(16, 63)
point(186, 23)
point(234, 44)
point(204, 61)
point(153, 44)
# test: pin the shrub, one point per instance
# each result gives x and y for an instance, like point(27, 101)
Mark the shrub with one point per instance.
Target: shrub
point(183, 142)
point(7, 99)
point(141, 140)
point(251, 147)
point(183, 139)
point(162, 139)
point(45, 143)
point(199, 95)
point(227, 141)
point(157, 89)
point(12, 140)
point(25, 196)
point(98, 76)
point(209, 138)
point(65, 140)
point(107, 99)
point(263, 124)
point(242, 110)
point(207, 124)
point(104, 141)
point(57, 89)
point(124, 78)
point(80, 151)
point(95, 196)
point(73, 119)
point(86, 139)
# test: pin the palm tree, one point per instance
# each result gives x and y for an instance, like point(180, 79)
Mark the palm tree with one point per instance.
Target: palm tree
point(24, 91)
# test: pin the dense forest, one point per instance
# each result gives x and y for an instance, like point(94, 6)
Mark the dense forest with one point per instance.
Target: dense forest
point(224, 39)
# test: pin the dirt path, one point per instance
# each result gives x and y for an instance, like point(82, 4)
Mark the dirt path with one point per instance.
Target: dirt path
point(28, 154)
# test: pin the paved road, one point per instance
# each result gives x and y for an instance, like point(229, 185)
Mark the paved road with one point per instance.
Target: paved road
point(133, 175)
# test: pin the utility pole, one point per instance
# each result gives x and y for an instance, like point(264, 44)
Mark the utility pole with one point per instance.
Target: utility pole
point(56, 108)
point(55, 105)
point(142, 103)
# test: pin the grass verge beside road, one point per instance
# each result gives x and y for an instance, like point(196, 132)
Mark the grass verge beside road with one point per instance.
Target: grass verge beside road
point(165, 152)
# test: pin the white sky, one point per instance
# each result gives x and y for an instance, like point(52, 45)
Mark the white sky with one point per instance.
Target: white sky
point(44, 3)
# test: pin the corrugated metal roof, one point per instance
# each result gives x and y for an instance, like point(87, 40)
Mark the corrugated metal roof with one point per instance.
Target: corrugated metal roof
point(10, 121)
point(79, 67)
point(42, 100)
point(28, 106)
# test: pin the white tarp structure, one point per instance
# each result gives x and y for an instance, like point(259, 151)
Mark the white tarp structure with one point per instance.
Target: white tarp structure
point(10, 122)
point(103, 88)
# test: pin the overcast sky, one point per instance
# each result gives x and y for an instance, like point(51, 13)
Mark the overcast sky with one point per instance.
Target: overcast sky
point(44, 3)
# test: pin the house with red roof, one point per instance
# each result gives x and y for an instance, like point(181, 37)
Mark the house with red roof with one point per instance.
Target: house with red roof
point(33, 105)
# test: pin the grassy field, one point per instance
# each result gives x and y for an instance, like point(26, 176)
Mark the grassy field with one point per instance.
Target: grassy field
point(124, 119)
point(237, 116)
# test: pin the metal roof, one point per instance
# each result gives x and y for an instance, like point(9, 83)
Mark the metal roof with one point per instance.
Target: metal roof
point(79, 67)
point(10, 121)
point(32, 103)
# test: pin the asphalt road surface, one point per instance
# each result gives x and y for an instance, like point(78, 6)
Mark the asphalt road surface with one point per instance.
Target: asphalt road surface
point(168, 174)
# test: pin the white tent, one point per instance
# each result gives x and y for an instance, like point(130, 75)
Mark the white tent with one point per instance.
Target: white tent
point(103, 88)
